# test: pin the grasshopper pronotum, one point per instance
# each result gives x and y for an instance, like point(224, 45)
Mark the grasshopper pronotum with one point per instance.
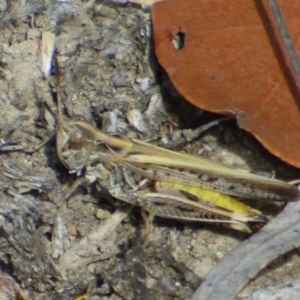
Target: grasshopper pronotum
point(163, 182)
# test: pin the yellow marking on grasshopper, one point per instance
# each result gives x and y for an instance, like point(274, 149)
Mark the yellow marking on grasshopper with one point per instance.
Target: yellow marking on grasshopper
point(82, 295)
point(221, 200)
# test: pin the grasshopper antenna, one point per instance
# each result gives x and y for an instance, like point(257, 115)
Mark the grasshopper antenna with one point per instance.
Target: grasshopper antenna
point(58, 99)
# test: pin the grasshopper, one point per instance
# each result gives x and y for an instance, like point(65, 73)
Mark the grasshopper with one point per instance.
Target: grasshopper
point(163, 182)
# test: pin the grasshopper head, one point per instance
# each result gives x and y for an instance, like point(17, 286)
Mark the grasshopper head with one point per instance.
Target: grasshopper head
point(74, 144)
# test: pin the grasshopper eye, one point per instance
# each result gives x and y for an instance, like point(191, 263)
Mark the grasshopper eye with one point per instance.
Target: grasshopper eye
point(77, 139)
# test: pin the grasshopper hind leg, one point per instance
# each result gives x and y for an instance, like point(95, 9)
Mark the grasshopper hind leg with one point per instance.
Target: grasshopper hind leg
point(172, 206)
